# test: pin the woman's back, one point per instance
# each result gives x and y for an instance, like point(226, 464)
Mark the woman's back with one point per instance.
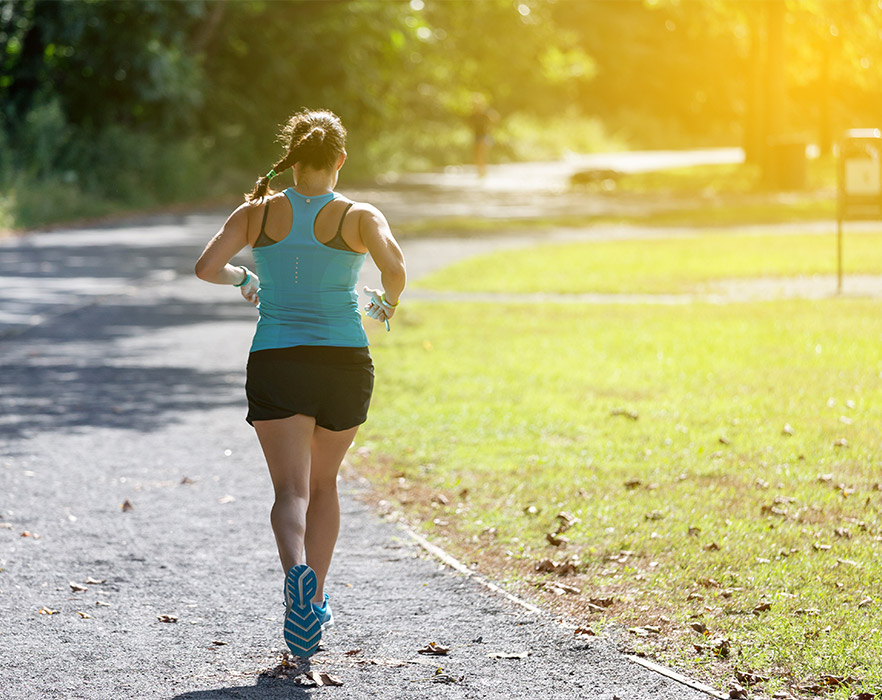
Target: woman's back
point(307, 286)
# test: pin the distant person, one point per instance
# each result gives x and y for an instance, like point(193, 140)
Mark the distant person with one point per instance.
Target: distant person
point(482, 120)
point(309, 372)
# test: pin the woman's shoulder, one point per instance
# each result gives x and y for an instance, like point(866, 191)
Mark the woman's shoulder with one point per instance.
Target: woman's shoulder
point(360, 208)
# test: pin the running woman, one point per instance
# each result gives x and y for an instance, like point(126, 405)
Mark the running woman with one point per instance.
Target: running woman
point(309, 372)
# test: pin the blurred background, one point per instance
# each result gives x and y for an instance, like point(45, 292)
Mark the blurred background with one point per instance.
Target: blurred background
point(124, 104)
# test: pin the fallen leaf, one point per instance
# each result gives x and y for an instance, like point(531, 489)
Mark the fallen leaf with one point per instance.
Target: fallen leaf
point(328, 679)
point(736, 692)
point(308, 680)
point(643, 631)
point(167, 618)
point(865, 602)
point(127, 506)
point(567, 520)
point(847, 562)
point(587, 631)
point(633, 483)
point(102, 604)
point(186, 481)
point(441, 677)
point(633, 415)
point(47, 611)
point(440, 499)
point(76, 587)
point(699, 627)
point(95, 581)
point(695, 596)
point(843, 533)
point(750, 678)
point(838, 681)
point(655, 515)
point(841, 442)
point(219, 643)
point(693, 531)
point(226, 499)
point(712, 547)
point(83, 615)
point(508, 655)
point(434, 649)
point(818, 547)
point(761, 608)
point(809, 612)
point(721, 647)
point(352, 652)
point(602, 602)
point(724, 440)
point(556, 540)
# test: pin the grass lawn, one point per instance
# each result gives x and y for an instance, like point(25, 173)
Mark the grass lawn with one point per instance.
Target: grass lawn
point(669, 265)
point(710, 466)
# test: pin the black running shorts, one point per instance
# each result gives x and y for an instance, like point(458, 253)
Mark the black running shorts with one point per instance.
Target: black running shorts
point(331, 384)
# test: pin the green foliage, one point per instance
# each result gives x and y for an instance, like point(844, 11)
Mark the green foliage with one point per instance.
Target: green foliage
point(404, 75)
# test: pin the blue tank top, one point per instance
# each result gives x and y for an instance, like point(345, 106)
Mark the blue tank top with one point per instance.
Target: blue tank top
point(307, 289)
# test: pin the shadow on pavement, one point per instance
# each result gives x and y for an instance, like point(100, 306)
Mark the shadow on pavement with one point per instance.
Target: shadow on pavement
point(267, 687)
point(96, 367)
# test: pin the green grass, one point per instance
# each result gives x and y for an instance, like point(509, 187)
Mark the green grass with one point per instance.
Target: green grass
point(500, 408)
point(669, 265)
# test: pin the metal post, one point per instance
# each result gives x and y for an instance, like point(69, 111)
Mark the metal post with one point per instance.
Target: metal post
point(839, 253)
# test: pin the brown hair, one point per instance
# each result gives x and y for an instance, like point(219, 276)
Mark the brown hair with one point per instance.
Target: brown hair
point(314, 137)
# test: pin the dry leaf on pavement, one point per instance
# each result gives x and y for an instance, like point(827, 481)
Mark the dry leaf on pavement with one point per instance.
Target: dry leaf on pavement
point(434, 649)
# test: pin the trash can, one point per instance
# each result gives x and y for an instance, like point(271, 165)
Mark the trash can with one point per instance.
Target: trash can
point(786, 167)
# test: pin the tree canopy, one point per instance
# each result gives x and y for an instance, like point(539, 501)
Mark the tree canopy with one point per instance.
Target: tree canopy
point(220, 75)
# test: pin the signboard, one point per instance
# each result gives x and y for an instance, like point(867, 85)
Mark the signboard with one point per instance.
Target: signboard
point(862, 178)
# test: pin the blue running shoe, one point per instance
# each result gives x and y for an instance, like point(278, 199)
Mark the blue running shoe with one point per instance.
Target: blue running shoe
point(303, 632)
point(324, 614)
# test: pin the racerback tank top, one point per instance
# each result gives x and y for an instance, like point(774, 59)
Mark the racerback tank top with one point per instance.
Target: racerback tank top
point(307, 289)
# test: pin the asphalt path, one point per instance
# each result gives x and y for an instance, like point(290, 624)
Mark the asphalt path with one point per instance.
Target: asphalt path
point(136, 557)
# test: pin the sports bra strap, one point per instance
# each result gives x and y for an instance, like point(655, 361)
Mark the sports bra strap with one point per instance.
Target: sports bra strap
point(262, 238)
point(337, 241)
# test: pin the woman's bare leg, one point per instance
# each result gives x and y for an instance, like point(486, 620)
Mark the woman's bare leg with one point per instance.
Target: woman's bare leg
point(323, 517)
point(286, 445)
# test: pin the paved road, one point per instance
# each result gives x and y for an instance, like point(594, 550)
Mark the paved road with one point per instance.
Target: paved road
point(121, 381)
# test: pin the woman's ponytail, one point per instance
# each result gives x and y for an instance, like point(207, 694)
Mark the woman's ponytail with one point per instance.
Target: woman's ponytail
point(261, 187)
point(315, 138)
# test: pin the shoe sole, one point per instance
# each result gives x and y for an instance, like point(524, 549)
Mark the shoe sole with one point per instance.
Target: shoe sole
point(303, 632)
